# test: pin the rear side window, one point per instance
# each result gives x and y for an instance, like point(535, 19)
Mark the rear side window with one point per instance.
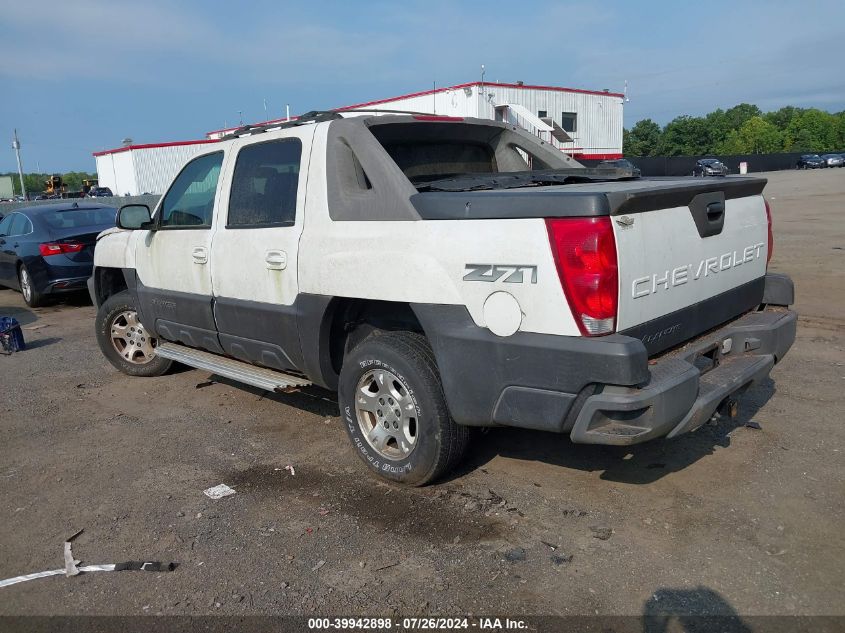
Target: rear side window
point(20, 225)
point(189, 203)
point(264, 184)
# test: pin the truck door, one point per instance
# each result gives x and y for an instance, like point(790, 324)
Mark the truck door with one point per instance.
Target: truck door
point(172, 261)
point(254, 257)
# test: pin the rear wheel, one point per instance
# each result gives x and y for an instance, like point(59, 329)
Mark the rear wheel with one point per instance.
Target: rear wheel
point(395, 412)
point(124, 340)
point(31, 296)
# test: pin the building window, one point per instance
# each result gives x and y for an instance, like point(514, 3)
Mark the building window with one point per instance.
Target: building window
point(568, 121)
point(542, 114)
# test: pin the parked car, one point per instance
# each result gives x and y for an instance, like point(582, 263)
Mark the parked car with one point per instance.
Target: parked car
point(100, 192)
point(49, 250)
point(810, 161)
point(710, 167)
point(833, 160)
point(622, 163)
point(387, 257)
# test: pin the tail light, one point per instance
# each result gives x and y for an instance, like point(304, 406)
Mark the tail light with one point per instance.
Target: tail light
point(59, 248)
point(584, 250)
point(771, 244)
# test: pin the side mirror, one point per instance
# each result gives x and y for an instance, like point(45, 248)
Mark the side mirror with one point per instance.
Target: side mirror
point(134, 216)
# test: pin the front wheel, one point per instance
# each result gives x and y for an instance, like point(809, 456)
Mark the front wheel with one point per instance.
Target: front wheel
point(395, 412)
point(124, 340)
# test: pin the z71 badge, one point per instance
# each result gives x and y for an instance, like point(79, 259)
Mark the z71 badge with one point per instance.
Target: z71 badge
point(512, 273)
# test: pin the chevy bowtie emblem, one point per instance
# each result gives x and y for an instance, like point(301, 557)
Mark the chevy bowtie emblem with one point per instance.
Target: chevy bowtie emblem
point(625, 221)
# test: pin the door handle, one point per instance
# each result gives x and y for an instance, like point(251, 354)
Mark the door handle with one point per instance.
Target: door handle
point(715, 209)
point(276, 260)
point(200, 255)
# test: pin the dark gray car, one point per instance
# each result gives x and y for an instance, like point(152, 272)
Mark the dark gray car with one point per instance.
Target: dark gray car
point(49, 250)
point(710, 167)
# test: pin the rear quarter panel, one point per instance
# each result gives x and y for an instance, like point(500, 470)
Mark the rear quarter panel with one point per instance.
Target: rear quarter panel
point(426, 261)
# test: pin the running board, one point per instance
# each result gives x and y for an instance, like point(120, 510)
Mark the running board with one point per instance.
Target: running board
point(267, 379)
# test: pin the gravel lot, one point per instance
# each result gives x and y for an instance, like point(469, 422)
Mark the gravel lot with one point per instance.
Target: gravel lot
point(726, 520)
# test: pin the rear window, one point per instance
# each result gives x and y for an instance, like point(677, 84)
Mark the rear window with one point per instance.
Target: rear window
point(430, 151)
point(78, 218)
point(430, 161)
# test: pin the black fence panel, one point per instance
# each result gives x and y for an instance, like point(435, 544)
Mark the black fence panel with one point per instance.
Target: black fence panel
point(684, 165)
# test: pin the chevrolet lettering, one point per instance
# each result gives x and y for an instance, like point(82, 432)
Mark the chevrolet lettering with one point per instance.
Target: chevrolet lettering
point(644, 286)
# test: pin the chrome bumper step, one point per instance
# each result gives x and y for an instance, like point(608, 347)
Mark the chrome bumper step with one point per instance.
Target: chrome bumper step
point(239, 371)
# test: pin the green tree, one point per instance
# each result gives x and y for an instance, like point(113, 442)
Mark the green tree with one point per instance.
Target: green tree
point(35, 182)
point(812, 131)
point(802, 142)
point(840, 131)
point(739, 114)
point(783, 117)
point(642, 140)
point(721, 123)
point(685, 136)
point(718, 129)
point(755, 136)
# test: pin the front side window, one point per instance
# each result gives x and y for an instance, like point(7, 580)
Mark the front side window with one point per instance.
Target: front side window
point(264, 184)
point(568, 121)
point(190, 199)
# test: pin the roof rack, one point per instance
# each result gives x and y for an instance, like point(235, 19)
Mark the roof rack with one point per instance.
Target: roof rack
point(414, 112)
point(315, 116)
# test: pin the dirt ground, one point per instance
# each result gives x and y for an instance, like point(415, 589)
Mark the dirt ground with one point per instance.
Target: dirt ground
point(727, 520)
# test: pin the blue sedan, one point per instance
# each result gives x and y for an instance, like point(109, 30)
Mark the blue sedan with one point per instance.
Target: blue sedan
point(47, 250)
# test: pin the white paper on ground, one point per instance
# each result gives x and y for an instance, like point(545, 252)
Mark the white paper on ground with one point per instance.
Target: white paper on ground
point(218, 492)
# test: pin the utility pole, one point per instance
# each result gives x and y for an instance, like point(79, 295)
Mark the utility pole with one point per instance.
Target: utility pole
point(16, 145)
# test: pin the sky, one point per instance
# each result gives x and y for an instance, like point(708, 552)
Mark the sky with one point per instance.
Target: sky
point(80, 76)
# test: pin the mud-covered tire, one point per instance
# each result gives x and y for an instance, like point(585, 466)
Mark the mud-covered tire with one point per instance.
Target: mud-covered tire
point(440, 443)
point(108, 315)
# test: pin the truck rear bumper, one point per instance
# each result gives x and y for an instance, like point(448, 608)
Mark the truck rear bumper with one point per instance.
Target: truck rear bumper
point(604, 390)
point(687, 385)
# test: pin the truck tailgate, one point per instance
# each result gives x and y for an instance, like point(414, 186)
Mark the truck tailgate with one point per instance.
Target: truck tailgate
point(690, 257)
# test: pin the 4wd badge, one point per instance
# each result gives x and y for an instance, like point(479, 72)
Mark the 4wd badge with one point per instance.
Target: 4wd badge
point(512, 273)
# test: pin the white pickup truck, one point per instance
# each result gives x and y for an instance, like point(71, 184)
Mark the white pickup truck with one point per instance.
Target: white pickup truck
point(444, 273)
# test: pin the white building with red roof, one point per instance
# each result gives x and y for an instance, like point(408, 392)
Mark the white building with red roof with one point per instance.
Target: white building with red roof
point(587, 124)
